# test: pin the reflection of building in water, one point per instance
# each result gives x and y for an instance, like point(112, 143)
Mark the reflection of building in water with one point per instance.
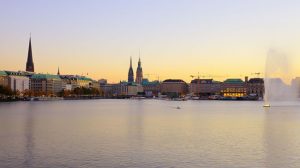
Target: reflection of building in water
point(281, 138)
point(234, 88)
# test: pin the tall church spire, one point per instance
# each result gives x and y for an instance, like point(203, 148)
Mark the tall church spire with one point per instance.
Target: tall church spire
point(29, 63)
point(139, 71)
point(58, 73)
point(130, 73)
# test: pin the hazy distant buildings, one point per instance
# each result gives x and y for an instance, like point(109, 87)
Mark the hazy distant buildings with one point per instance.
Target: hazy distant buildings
point(29, 63)
point(174, 87)
point(296, 85)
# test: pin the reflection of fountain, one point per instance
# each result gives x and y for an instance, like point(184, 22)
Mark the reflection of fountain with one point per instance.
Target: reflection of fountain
point(281, 144)
point(278, 89)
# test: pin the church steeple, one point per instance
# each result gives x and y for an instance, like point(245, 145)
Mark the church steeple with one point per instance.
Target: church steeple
point(139, 71)
point(29, 63)
point(58, 73)
point(130, 73)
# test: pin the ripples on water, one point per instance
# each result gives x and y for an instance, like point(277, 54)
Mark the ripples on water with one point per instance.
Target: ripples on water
point(148, 133)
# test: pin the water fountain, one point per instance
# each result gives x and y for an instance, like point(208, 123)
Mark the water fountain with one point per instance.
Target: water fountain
point(278, 87)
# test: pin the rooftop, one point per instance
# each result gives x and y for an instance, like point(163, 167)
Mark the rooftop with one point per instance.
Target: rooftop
point(147, 82)
point(3, 73)
point(234, 81)
point(174, 81)
point(44, 76)
point(256, 80)
point(75, 77)
point(16, 73)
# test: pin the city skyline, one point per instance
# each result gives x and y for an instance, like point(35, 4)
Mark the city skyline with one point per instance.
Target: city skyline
point(179, 39)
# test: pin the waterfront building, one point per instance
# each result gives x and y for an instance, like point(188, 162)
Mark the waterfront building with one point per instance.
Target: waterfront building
point(3, 78)
point(139, 73)
point(205, 87)
point(102, 81)
point(107, 89)
point(235, 88)
point(29, 63)
point(95, 84)
point(174, 87)
point(17, 81)
point(45, 84)
point(76, 81)
point(130, 72)
point(129, 89)
point(255, 86)
point(151, 88)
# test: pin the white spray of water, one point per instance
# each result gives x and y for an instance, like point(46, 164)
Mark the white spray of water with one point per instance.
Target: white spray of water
point(278, 87)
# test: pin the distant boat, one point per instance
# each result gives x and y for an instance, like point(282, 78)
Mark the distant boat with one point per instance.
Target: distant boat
point(267, 105)
point(178, 107)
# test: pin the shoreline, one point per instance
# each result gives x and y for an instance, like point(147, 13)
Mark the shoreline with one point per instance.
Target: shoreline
point(15, 99)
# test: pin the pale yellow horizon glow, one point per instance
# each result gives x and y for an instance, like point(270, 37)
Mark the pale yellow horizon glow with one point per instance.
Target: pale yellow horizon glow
point(177, 38)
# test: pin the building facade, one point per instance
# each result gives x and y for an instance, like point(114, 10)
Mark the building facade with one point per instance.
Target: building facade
point(17, 81)
point(234, 88)
point(174, 87)
point(76, 81)
point(129, 89)
point(151, 88)
point(45, 84)
point(205, 87)
point(3, 78)
point(255, 86)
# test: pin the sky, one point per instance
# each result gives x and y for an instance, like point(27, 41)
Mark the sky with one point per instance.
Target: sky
point(178, 38)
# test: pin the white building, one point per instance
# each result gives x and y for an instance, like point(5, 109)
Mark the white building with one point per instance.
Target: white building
point(17, 81)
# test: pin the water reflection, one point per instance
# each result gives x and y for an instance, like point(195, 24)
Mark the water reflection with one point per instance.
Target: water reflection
point(29, 143)
point(281, 136)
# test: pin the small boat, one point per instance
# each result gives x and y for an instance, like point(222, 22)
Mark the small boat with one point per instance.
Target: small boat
point(178, 107)
point(267, 105)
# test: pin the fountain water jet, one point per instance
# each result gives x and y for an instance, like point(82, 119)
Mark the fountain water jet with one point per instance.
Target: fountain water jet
point(278, 88)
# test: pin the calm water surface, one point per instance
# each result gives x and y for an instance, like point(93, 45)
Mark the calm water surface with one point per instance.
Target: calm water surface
point(148, 133)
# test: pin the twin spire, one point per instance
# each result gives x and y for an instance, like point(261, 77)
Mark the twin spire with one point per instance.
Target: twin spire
point(139, 72)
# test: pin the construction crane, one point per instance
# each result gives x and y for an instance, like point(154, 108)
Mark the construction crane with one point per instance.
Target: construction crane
point(257, 74)
point(149, 75)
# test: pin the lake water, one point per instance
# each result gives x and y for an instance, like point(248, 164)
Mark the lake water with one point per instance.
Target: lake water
point(148, 133)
